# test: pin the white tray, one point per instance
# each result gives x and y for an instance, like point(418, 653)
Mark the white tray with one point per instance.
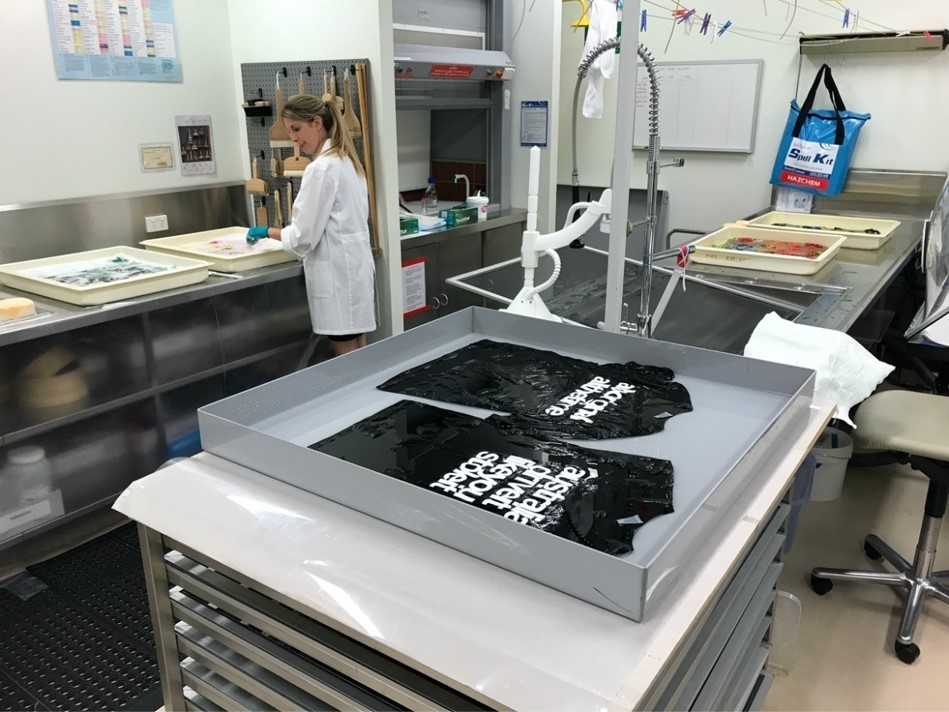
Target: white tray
point(264, 254)
point(183, 272)
point(851, 227)
point(707, 253)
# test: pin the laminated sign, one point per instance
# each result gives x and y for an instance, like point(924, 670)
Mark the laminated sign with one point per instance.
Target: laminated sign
point(545, 394)
point(593, 497)
point(818, 144)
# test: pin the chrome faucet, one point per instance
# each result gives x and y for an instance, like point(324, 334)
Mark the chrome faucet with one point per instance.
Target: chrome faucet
point(461, 176)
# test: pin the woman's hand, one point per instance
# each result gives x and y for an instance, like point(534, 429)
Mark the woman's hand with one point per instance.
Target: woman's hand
point(257, 233)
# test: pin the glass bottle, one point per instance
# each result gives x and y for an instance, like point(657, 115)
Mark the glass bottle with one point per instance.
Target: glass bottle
point(430, 200)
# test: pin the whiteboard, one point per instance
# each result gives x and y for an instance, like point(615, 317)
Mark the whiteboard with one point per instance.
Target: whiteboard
point(703, 106)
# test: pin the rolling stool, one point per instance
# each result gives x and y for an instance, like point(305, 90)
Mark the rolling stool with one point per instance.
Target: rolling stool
point(916, 427)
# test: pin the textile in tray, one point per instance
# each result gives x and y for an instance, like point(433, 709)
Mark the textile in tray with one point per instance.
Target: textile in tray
point(593, 497)
point(104, 270)
point(547, 394)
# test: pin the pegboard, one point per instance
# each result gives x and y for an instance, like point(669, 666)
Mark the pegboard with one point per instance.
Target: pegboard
point(259, 81)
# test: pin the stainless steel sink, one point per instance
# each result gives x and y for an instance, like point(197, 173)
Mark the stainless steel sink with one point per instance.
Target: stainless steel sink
point(715, 312)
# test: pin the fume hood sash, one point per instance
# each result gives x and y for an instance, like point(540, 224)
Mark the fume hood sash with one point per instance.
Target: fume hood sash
point(454, 63)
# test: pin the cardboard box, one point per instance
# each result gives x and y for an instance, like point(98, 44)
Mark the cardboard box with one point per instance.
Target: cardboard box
point(407, 225)
point(459, 216)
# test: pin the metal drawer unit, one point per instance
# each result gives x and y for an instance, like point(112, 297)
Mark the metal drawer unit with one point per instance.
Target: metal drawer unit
point(712, 659)
point(226, 642)
point(760, 690)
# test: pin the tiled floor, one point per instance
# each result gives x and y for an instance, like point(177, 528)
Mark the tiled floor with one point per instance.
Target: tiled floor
point(845, 658)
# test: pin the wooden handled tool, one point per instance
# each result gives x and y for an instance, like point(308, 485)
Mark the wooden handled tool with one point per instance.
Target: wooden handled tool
point(326, 87)
point(289, 201)
point(349, 111)
point(261, 213)
point(256, 184)
point(279, 138)
point(277, 212)
point(362, 88)
point(294, 166)
point(337, 99)
point(301, 85)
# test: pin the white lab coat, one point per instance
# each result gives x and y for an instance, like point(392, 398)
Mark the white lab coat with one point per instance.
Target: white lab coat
point(329, 232)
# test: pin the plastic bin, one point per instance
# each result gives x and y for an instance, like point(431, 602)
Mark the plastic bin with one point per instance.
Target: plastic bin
point(833, 452)
point(800, 495)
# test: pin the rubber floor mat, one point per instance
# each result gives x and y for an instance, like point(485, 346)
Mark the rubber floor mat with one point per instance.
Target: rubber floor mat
point(85, 643)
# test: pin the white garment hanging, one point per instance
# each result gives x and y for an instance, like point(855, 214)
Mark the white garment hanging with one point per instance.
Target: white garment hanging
point(603, 20)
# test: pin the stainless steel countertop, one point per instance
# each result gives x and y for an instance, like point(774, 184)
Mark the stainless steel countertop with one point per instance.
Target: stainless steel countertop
point(500, 218)
point(55, 316)
point(864, 274)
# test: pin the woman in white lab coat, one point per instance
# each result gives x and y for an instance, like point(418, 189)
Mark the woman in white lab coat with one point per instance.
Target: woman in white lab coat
point(329, 225)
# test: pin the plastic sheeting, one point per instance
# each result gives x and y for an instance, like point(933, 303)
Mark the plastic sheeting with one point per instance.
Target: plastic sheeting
point(596, 498)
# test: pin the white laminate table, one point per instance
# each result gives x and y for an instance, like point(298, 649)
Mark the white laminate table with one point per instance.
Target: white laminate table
point(499, 639)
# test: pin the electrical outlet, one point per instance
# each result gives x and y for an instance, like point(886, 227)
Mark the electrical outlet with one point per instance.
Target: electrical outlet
point(156, 223)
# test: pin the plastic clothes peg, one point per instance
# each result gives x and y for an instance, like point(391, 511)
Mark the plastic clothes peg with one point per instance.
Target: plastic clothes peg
point(728, 23)
point(642, 21)
point(705, 21)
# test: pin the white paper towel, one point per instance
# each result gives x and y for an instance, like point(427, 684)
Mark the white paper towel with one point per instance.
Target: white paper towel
point(846, 372)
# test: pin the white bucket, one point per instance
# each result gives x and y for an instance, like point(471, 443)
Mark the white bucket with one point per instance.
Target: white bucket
point(833, 451)
point(481, 203)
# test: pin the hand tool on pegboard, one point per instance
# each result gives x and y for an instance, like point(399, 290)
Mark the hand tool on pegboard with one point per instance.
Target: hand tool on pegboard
point(337, 99)
point(256, 183)
point(363, 91)
point(279, 138)
point(349, 111)
point(277, 212)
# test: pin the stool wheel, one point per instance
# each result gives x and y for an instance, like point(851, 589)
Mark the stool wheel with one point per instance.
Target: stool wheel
point(821, 586)
point(870, 551)
point(907, 652)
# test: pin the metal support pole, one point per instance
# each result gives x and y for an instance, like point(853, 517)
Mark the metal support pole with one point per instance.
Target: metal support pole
point(622, 163)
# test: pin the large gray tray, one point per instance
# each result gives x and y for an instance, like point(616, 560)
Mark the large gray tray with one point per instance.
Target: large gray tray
point(743, 410)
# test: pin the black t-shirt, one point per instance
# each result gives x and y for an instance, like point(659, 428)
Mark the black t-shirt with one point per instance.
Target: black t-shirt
point(546, 394)
point(593, 497)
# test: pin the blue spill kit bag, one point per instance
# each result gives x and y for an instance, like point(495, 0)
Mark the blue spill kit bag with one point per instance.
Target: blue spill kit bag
point(817, 146)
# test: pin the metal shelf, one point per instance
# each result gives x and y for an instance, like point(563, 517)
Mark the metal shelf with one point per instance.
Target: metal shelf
point(93, 411)
point(858, 42)
point(66, 317)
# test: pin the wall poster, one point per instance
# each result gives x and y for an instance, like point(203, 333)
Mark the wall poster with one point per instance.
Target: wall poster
point(118, 40)
point(197, 148)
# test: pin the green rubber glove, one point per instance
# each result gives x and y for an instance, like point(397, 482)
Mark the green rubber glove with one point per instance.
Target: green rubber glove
point(255, 234)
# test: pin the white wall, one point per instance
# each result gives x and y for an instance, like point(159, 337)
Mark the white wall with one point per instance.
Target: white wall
point(535, 52)
point(904, 91)
point(300, 30)
point(414, 129)
point(65, 139)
